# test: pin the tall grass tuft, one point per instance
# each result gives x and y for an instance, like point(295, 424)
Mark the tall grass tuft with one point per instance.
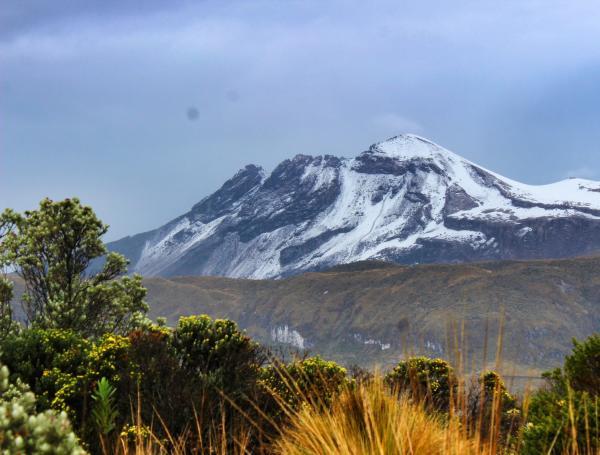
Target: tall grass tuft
point(370, 419)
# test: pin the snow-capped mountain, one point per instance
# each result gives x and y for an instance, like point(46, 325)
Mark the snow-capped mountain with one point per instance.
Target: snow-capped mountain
point(405, 200)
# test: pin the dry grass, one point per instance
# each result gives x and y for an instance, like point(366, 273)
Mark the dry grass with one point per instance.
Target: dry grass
point(217, 443)
point(371, 420)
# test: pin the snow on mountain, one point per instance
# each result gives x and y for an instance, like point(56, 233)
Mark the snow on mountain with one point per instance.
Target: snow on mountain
point(405, 200)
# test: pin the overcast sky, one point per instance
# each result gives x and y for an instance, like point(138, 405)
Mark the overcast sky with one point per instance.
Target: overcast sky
point(143, 108)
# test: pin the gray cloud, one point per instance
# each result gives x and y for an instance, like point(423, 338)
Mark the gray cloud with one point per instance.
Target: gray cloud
point(97, 95)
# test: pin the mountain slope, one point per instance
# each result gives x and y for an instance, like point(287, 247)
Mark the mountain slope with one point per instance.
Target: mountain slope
point(372, 313)
point(405, 200)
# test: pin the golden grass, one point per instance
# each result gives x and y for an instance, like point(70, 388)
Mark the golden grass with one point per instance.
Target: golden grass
point(371, 420)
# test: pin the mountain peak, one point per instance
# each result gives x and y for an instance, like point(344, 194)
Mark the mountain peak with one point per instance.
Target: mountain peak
point(410, 146)
point(405, 200)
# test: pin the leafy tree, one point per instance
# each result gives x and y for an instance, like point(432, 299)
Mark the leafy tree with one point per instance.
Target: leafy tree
point(53, 249)
point(7, 322)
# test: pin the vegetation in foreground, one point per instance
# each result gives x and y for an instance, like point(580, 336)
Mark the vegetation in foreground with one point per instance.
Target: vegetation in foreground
point(86, 371)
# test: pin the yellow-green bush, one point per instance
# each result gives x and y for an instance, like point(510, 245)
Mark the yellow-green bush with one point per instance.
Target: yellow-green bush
point(310, 380)
point(53, 363)
point(429, 380)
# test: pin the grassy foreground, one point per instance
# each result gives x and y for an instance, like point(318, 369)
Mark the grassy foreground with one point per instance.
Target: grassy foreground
point(371, 420)
point(367, 418)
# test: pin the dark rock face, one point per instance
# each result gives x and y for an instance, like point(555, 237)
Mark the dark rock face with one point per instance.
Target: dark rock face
point(370, 163)
point(220, 202)
point(405, 200)
point(457, 199)
point(535, 238)
point(289, 198)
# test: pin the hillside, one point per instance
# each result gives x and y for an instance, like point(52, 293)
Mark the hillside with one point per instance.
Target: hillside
point(405, 200)
point(371, 313)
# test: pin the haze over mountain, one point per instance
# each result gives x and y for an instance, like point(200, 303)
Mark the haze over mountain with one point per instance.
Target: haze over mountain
point(404, 200)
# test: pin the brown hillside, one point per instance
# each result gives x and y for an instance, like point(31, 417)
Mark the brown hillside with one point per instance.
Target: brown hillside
point(373, 313)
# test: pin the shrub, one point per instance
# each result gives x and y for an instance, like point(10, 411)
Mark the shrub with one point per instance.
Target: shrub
point(62, 368)
point(158, 380)
point(109, 357)
point(23, 430)
point(217, 352)
point(197, 375)
point(53, 363)
point(564, 417)
point(492, 411)
point(311, 380)
point(557, 423)
point(582, 367)
point(429, 380)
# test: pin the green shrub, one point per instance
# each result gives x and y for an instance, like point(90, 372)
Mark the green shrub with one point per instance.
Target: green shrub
point(429, 380)
point(62, 368)
point(565, 415)
point(217, 353)
point(162, 389)
point(553, 418)
point(311, 380)
point(109, 357)
point(53, 363)
point(198, 374)
point(23, 430)
point(492, 410)
point(582, 367)
point(195, 371)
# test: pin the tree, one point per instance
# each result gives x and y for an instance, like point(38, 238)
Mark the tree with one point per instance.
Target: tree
point(52, 249)
point(7, 323)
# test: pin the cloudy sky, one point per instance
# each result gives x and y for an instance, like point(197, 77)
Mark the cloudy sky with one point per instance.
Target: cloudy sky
point(143, 108)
